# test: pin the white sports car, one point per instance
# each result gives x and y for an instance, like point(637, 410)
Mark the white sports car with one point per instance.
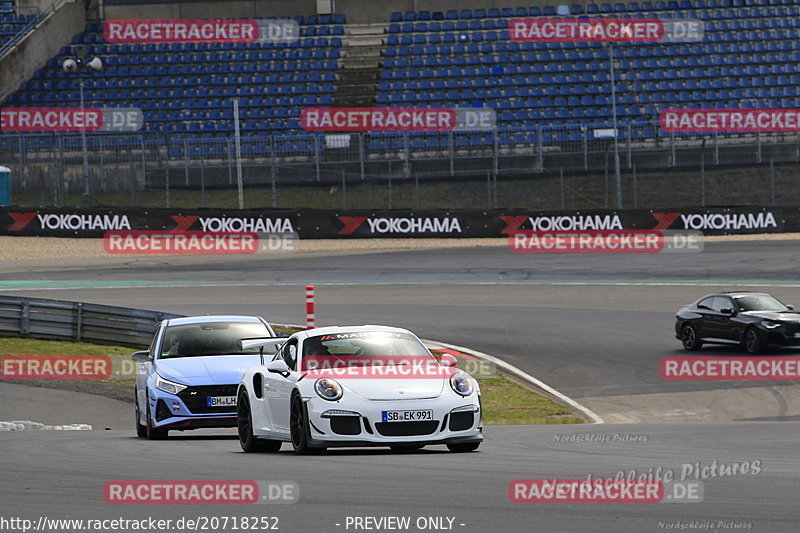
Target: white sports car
point(357, 386)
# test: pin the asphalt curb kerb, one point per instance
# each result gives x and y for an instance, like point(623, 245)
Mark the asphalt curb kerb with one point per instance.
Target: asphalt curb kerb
point(508, 370)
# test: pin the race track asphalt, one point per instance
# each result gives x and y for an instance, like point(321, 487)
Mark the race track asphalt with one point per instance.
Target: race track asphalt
point(592, 326)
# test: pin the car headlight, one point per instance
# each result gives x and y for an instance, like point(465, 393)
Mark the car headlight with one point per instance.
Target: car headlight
point(461, 384)
point(769, 324)
point(328, 389)
point(168, 386)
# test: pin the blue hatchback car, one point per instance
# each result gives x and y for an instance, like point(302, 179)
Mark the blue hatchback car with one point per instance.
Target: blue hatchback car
point(188, 377)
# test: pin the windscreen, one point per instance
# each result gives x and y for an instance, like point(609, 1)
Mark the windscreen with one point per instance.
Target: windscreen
point(210, 338)
point(759, 302)
point(362, 349)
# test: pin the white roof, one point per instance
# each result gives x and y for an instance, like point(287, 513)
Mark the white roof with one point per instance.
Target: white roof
point(328, 330)
point(212, 318)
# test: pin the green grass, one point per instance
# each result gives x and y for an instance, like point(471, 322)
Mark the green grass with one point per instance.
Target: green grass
point(119, 386)
point(16, 346)
point(504, 402)
point(507, 403)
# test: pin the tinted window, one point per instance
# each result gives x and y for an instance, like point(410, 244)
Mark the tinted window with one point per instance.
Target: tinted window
point(722, 302)
point(289, 354)
point(759, 302)
point(706, 302)
point(210, 338)
point(361, 347)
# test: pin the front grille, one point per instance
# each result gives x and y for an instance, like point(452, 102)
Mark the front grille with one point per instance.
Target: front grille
point(462, 420)
point(195, 398)
point(346, 425)
point(406, 429)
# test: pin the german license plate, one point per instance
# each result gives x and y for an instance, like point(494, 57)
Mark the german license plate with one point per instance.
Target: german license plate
point(221, 401)
point(407, 416)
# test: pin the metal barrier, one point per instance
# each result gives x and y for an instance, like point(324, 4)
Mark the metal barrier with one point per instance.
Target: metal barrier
point(52, 163)
point(76, 321)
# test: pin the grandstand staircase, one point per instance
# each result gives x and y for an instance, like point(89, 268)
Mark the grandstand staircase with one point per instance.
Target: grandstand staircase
point(359, 66)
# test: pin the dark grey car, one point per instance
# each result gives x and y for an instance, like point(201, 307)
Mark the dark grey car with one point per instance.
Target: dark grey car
point(753, 320)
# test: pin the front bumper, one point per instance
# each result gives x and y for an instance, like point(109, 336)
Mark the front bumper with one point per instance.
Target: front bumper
point(170, 411)
point(781, 336)
point(454, 421)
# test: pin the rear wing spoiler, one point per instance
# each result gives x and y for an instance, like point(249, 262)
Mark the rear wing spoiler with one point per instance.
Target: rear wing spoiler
point(266, 344)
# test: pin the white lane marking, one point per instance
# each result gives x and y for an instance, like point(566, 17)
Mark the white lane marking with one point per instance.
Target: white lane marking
point(26, 425)
point(688, 283)
point(520, 374)
point(508, 367)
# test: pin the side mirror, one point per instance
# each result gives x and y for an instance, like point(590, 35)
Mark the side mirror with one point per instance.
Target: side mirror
point(449, 360)
point(727, 311)
point(141, 357)
point(278, 366)
point(790, 307)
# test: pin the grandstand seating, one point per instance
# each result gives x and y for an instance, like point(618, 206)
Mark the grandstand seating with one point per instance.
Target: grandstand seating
point(11, 22)
point(6, 7)
point(464, 58)
point(750, 57)
point(187, 88)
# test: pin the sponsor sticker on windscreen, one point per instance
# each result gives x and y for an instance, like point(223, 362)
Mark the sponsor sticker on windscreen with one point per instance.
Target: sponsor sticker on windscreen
point(221, 401)
point(407, 416)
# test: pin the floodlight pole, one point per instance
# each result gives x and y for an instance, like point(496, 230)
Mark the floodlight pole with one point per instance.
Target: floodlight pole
point(83, 142)
point(77, 64)
point(617, 176)
point(238, 143)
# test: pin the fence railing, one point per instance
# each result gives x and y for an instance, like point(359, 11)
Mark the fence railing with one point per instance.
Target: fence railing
point(77, 321)
point(136, 162)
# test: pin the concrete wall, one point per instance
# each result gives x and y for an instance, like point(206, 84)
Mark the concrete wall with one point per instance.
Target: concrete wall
point(357, 11)
point(40, 45)
point(132, 9)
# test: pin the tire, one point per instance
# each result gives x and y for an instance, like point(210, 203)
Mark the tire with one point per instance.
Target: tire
point(406, 448)
point(752, 341)
point(141, 431)
point(689, 338)
point(298, 428)
point(244, 423)
point(463, 447)
point(151, 432)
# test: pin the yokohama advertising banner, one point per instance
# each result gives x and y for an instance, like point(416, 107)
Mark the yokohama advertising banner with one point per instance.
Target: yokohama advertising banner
point(398, 223)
